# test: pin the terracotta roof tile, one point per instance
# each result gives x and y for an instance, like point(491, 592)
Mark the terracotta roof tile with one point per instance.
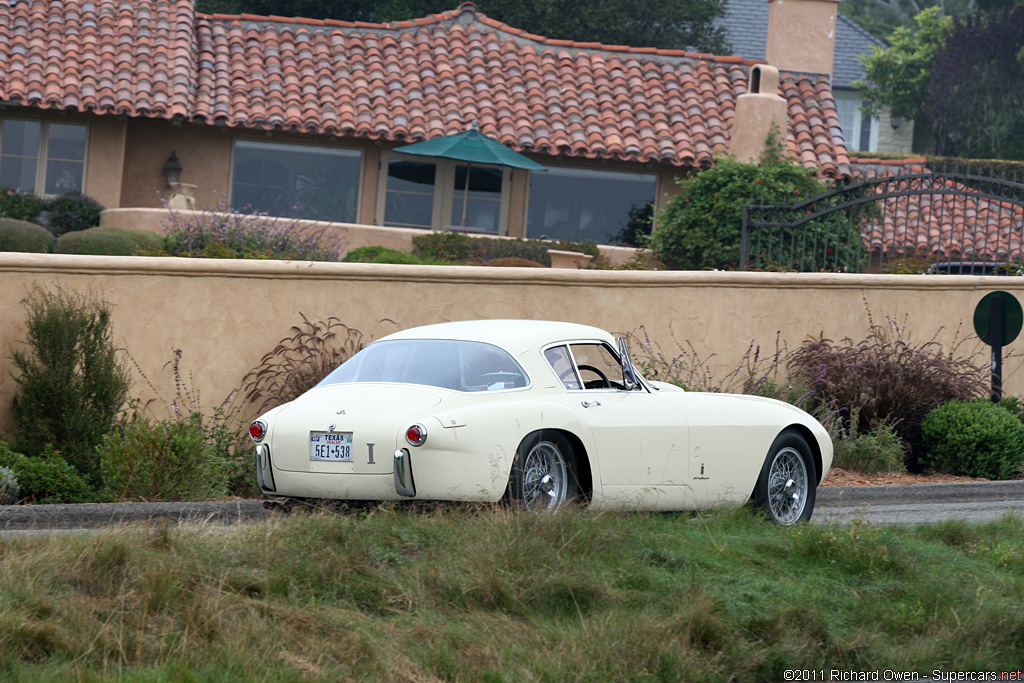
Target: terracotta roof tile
point(402, 81)
point(944, 225)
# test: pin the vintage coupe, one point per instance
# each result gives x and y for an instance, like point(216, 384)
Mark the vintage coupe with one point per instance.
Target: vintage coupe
point(540, 413)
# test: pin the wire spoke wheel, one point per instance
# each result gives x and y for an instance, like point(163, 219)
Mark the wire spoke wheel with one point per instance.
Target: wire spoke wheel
point(543, 474)
point(786, 487)
point(545, 477)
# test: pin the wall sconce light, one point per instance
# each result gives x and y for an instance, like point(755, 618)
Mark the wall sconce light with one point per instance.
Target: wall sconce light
point(895, 122)
point(172, 169)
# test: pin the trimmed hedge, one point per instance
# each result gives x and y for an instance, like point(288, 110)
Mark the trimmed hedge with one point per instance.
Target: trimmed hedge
point(975, 438)
point(22, 236)
point(109, 241)
point(457, 247)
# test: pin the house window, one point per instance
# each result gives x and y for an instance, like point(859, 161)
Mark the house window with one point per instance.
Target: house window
point(588, 206)
point(442, 194)
point(42, 157)
point(860, 132)
point(297, 181)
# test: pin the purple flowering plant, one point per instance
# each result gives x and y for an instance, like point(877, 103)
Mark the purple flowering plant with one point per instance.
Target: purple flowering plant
point(225, 234)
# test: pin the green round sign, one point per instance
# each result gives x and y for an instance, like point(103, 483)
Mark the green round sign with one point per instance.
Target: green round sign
point(998, 310)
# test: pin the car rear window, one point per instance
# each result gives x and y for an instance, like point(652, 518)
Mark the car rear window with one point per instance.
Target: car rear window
point(458, 365)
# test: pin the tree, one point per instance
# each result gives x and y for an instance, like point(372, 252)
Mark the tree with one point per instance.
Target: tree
point(899, 76)
point(641, 23)
point(701, 226)
point(976, 92)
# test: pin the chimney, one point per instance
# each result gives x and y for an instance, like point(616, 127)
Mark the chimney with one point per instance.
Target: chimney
point(755, 111)
point(802, 35)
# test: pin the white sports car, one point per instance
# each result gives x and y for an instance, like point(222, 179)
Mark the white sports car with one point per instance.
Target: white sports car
point(540, 413)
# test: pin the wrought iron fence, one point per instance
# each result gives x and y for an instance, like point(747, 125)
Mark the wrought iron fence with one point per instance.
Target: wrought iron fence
point(957, 220)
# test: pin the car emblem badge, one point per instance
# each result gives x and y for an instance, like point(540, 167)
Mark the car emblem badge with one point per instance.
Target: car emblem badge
point(340, 412)
point(330, 428)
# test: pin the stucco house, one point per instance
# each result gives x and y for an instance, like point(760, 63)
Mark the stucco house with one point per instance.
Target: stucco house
point(300, 117)
point(744, 24)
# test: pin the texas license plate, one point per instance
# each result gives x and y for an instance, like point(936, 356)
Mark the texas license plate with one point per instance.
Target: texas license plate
point(333, 446)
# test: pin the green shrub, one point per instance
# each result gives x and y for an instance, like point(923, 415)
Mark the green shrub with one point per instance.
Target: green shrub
point(512, 262)
point(975, 438)
point(457, 247)
point(375, 254)
point(110, 241)
point(93, 242)
point(71, 384)
point(144, 238)
point(21, 205)
point(885, 378)
point(22, 236)
point(46, 478)
point(879, 450)
point(10, 492)
point(74, 211)
point(165, 460)
point(700, 227)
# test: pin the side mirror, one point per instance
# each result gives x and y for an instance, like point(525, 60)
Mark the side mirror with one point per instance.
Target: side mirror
point(629, 376)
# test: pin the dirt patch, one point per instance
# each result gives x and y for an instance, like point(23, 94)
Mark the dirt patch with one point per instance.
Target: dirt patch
point(840, 477)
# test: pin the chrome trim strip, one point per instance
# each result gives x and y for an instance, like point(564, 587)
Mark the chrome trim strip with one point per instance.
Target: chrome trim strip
point(264, 469)
point(405, 485)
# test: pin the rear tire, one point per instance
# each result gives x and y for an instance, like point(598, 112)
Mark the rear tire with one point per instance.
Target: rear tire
point(787, 485)
point(543, 472)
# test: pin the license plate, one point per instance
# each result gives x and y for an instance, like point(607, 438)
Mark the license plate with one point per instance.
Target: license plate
point(333, 446)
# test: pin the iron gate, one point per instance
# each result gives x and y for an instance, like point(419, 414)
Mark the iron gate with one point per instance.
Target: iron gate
point(958, 221)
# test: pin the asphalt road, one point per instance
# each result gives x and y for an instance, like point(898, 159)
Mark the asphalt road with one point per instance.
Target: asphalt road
point(919, 503)
point(911, 504)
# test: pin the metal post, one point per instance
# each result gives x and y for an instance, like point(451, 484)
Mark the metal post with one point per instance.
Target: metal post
point(997, 348)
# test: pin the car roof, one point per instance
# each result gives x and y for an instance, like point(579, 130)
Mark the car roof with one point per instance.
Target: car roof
point(514, 335)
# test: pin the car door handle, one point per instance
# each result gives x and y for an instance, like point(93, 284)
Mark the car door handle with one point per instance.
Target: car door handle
point(588, 404)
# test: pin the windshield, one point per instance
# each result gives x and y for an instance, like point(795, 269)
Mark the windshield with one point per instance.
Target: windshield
point(458, 365)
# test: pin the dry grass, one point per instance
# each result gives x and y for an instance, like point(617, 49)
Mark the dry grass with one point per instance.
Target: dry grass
point(481, 594)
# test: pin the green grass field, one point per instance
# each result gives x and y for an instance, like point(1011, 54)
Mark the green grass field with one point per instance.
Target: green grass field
point(483, 594)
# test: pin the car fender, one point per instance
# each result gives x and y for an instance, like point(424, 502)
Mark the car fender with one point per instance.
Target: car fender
point(495, 430)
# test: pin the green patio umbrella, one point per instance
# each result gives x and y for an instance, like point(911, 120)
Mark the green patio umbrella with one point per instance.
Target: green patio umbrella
point(473, 147)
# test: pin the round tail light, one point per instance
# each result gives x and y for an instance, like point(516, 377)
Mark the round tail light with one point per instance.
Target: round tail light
point(258, 430)
point(416, 435)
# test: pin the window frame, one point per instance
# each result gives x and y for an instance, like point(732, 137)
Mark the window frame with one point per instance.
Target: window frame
point(361, 153)
point(42, 157)
point(577, 376)
point(855, 99)
point(444, 192)
point(556, 169)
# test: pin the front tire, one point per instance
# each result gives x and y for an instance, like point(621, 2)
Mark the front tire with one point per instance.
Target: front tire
point(787, 485)
point(543, 472)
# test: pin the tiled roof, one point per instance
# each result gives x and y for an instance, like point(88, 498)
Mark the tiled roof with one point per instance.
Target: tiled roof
point(746, 27)
point(953, 223)
point(403, 81)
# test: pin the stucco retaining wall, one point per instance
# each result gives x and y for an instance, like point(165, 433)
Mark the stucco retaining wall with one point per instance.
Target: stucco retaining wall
point(225, 315)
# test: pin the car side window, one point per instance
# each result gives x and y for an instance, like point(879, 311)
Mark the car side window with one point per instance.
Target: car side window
point(560, 361)
point(598, 366)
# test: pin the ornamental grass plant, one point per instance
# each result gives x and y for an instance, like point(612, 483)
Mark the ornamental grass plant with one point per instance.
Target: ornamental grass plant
point(886, 378)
